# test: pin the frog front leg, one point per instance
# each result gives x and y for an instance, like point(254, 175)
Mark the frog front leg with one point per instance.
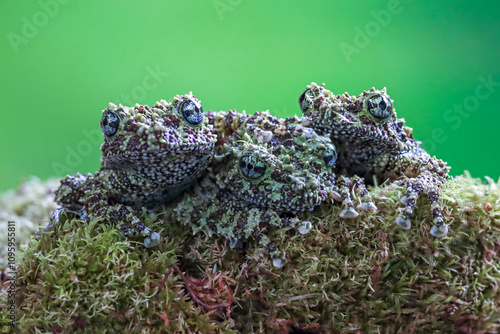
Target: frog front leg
point(70, 196)
point(124, 216)
point(415, 187)
point(212, 211)
point(421, 174)
point(87, 197)
point(118, 196)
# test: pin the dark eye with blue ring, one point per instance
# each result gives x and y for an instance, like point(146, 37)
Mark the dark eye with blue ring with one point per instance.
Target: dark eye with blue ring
point(110, 123)
point(192, 111)
point(330, 157)
point(379, 106)
point(252, 167)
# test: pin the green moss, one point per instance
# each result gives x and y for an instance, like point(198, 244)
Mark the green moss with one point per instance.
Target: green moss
point(358, 276)
point(83, 277)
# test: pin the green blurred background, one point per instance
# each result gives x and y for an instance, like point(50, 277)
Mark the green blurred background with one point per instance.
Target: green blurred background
point(62, 61)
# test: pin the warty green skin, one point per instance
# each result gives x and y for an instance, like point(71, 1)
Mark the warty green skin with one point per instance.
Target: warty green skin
point(149, 156)
point(265, 170)
point(373, 142)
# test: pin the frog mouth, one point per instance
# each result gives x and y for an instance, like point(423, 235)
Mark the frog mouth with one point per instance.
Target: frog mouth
point(152, 143)
point(330, 120)
point(183, 155)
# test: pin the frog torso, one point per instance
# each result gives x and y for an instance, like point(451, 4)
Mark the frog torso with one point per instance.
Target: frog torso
point(150, 155)
point(265, 171)
point(373, 142)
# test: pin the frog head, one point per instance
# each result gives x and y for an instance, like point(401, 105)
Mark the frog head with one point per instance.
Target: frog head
point(283, 168)
point(367, 117)
point(170, 142)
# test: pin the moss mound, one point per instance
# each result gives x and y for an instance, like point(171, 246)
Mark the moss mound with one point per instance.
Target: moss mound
point(29, 206)
point(358, 276)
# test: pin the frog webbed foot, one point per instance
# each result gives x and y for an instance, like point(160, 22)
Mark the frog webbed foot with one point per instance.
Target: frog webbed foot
point(439, 228)
point(70, 196)
point(125, 217)
point(366, 201)
point(260, 223)
point(72, 190)
point(133, 227)
point(291, 219)
point(223, 215)
point(414, 188)
point(54, 220)
point(354, 185)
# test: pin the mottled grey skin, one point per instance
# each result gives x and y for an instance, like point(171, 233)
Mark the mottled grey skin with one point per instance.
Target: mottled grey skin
point(149, 156)
point(264, 172)
point(373, 142)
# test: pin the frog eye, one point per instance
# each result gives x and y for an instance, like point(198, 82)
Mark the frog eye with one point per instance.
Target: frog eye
point(252, 167)
point(192, 111)
point(330, 157)
point(110, 123)
point(379, 106)
point(305, 101)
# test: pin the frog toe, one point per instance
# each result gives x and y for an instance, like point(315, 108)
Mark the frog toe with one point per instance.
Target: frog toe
point(403, 223)
point(348, 213)
point(152, 241)
point(439, 231)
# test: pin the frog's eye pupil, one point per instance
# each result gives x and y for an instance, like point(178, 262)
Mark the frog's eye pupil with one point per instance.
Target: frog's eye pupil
point(379, 107)
point(192, 111)
point(382, 105)
point(110, 123)
point(252, 167)
point(330, 157)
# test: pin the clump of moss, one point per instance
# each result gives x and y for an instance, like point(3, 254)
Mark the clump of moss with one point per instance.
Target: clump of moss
point(28, 206)
point(359, 276)
point(84, 277)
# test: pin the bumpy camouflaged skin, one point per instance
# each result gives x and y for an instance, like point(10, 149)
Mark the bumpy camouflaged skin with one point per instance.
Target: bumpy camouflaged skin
point(295, 164)
point(264, 169)
point(150, 155)
point(373, 142)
